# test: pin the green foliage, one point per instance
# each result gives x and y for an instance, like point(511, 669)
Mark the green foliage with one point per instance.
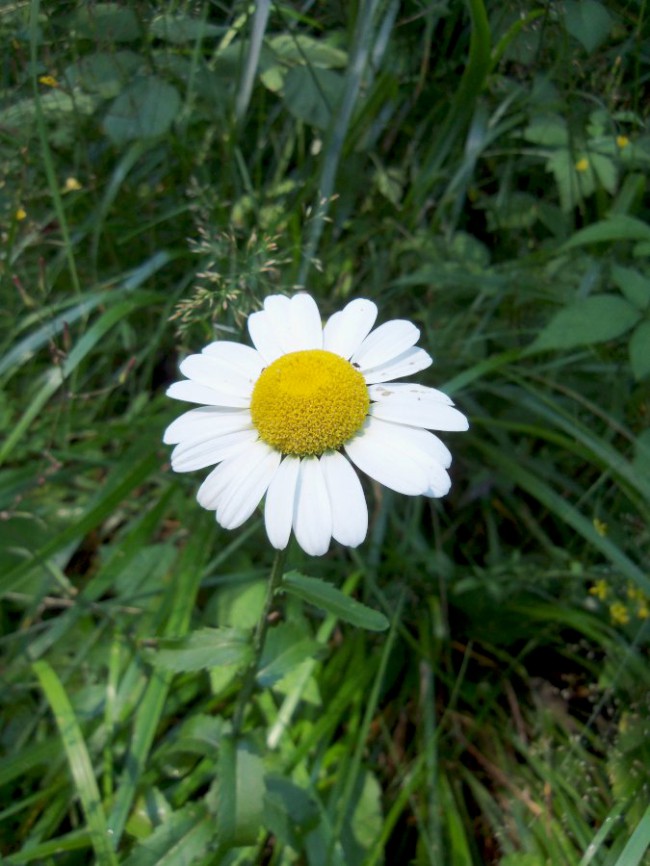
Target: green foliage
point(480, 168)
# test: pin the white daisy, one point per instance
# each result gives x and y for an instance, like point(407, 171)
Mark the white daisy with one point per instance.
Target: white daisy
point(289, 418)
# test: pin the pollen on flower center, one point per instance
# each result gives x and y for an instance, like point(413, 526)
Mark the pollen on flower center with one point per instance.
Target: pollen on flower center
point(309, 402)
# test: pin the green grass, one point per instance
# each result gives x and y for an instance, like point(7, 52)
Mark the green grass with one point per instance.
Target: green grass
point(478, 168)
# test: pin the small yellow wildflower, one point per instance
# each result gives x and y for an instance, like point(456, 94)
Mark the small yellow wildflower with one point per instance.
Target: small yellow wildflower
point(643, 612)
point(21, 213)
point(619, 613)
point(600, 527)
point(622, 141)
point(634, 593)
point(600, 590)
point(582, 164)
point(71, 184)
point(48, 81)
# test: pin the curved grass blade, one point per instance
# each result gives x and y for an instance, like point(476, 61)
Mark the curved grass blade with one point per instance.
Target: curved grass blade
point(79, 761)
point(638, 843)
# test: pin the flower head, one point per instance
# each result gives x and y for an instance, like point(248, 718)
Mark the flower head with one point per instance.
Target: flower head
point(290, 417)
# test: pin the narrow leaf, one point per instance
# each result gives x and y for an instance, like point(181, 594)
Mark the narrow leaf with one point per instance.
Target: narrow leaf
point(619, 227)
point(79, 761)
point(640, 350)
point(205, 648)
point(328, 598)
point(583, 323)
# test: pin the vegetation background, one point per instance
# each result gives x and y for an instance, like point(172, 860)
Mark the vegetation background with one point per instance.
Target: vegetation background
point(478, 167)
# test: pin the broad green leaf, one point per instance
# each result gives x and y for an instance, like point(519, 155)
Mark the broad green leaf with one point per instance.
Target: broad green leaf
point(286, 647)
point(146, 109)
point(237, 795)
point(184, 836)
point(618, 227)
point(59, 109)
point(548, 130)
point(588, 21)
point(289, 811)
point(150, 810)
point(326, 597)
point(584, 323)
point(634, 285)
point(640, 350)
point(367, 821)
point(206, 648)
point(312, 94)
point(106, 22)
point(103, 73)
point(179, 28)
point(302, 49)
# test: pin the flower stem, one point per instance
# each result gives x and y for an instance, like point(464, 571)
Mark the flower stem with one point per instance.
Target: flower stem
point(259, 638)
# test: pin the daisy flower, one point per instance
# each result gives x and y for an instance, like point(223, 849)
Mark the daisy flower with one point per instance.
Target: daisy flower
point(291, 418)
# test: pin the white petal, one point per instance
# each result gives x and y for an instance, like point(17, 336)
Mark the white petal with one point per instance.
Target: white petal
point(243, 358)
point(409, 362)
point(206, 421)
point(305, 322)
point(277, 309)
point(378, 392)
point(412, 440)
point(194, 392)
point(312, 518)
point(419, 409)
point(406, 459)
point(385, 343)
point(218, 374)
point(349, 509)
point(198, 454)
point(231, 472)
point(263, 336)
point(346, 330)
point(439, 482)
point(240, 499)
point(280, 501)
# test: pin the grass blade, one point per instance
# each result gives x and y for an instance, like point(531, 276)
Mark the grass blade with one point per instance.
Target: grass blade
point(79, 761)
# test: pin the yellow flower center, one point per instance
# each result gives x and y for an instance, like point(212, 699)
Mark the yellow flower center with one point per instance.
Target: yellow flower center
point(306, 403)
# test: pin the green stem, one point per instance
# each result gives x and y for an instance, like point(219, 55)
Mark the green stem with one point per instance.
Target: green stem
point(259, 638)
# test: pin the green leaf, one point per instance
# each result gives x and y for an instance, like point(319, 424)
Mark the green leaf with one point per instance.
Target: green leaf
point(548, 130)
point(640, 350)
point(328, 598)
point(638, 843)
point(79, 760)
point(146, 109)
point(103, 73)
point(237, 795)
point(106, 22)
point(618, 227)
point(289, 810)
point(635, 286)
point(179, 28)
point(584, 323)
point(186, 835)
point(302, 49)
point(312, 94)
point(286, 647)
point(206, 648)
point(588, 21)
